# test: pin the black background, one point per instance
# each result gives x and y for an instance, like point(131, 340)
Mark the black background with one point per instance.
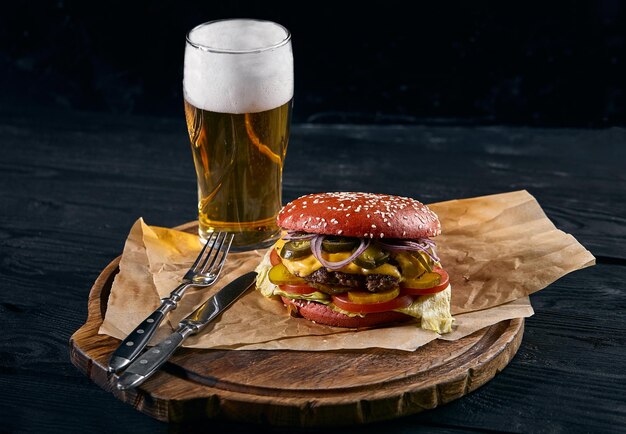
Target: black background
point(517, 63)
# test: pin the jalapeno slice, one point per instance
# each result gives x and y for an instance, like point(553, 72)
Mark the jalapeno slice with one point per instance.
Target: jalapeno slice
point(332, 244)
point(296, 249)
point(372, 257)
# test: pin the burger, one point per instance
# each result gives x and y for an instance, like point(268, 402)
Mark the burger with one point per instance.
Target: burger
point(356, 260)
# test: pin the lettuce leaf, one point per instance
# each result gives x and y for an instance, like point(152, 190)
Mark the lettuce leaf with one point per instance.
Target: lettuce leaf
point(433, 310)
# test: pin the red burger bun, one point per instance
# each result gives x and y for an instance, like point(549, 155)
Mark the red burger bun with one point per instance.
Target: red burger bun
point(361, 215)
point(321, 314)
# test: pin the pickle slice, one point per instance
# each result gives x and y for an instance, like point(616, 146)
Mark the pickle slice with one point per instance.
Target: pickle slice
point(296, 249)
point(280, 275)
point(372, 257)
point(422, 260)
point(366, 297)
point(426, 280)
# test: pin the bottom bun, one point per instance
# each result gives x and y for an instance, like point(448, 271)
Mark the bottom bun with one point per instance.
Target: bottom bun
point(322, 314)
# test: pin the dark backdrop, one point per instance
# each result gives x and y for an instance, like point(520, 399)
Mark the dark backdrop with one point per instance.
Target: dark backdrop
point(523, 63)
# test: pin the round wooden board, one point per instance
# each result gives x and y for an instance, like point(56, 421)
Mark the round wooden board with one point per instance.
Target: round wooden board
point(298, 388)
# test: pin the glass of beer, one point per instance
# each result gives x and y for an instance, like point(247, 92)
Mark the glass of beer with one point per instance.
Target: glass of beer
point(238, 91)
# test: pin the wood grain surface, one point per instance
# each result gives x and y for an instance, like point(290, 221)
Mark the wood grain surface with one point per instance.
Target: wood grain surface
point(298, 388)
point(72, 184)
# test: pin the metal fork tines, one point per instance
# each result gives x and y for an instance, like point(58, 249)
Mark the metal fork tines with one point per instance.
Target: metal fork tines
point(203, 273)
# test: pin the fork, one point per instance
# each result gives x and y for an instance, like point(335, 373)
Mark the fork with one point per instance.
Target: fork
point(203, 273)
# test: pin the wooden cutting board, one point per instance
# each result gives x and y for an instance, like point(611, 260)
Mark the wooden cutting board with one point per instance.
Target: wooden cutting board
point(298, 388)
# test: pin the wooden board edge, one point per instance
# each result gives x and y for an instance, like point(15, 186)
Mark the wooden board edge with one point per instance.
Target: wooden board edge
point(78, 357)
point(82, 357)
point(332, 412)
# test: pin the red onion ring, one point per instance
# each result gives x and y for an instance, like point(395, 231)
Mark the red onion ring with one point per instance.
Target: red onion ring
point(410, 245)
point(316, 248)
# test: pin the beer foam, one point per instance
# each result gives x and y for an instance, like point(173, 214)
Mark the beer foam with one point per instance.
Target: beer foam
point(238, 66)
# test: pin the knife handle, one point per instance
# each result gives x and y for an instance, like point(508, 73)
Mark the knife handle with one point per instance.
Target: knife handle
point(150, 361)
point(137, 340)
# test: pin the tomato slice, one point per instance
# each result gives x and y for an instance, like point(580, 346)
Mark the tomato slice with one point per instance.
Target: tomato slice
point(443, 284)
point(342, 301)
point(297, 289)
point(274, 258)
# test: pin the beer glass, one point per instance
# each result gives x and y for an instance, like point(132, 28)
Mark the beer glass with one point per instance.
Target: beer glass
point(238, 93)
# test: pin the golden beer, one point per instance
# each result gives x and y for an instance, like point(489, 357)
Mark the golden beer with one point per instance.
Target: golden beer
point(238, 92)
point(239, 162)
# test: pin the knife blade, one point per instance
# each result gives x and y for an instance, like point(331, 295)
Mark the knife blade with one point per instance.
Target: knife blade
point(150, 361)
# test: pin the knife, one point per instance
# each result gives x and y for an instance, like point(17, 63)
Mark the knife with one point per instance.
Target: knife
point(150, 361)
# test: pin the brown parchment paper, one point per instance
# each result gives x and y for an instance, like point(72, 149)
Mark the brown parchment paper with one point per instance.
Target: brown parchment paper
point(498, 250)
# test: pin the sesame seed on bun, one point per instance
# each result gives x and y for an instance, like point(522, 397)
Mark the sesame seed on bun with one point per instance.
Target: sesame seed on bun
point(361, 215)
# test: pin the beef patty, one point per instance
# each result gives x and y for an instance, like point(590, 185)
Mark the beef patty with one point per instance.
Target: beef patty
point(372, 282)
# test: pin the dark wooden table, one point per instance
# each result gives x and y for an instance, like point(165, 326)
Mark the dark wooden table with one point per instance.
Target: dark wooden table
point(72, 184)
